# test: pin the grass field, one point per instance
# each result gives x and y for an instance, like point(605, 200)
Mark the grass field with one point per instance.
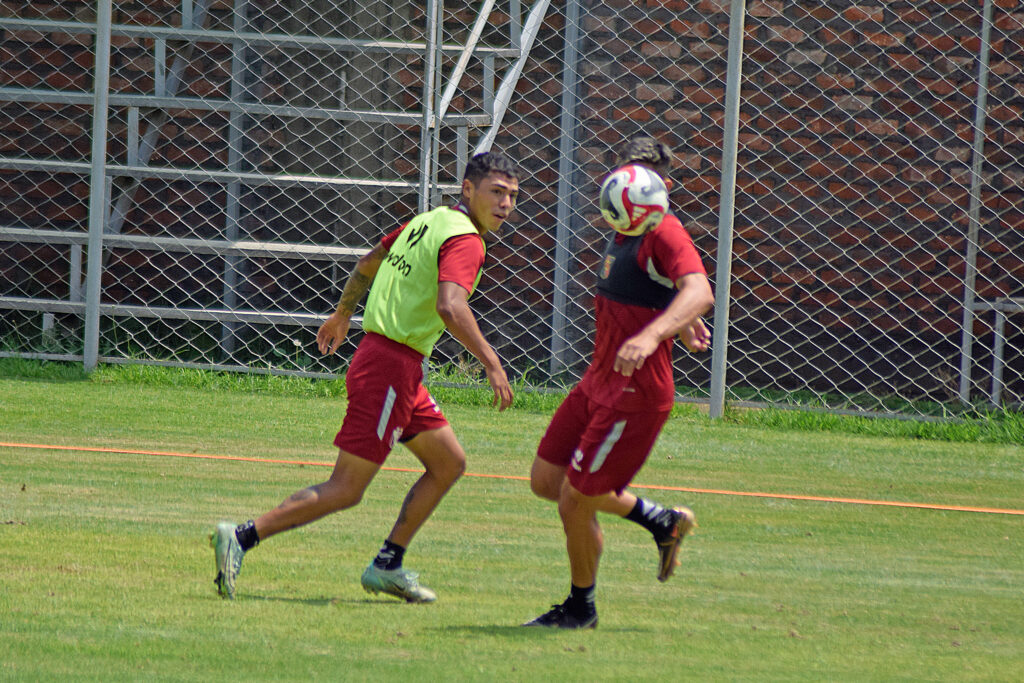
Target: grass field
point(105, 572)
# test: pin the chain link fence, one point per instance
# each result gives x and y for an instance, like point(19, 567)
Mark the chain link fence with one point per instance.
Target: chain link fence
point(244, 153)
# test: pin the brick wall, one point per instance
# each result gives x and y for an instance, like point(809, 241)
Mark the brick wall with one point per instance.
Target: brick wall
point(852, 190)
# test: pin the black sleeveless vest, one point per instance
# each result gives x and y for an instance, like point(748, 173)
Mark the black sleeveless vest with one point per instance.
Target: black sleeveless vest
point(621, 279)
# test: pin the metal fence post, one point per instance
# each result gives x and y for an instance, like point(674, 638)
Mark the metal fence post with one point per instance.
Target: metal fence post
point(567, 167)
point(97, 184)
point(974, 211)
point(726, 213)
point(429, 85)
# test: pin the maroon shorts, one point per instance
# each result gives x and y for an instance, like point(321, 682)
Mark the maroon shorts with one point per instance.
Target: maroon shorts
point(387, 401)
point(602, 448)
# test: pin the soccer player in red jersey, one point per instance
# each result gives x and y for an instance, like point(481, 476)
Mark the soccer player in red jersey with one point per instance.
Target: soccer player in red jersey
point(419, 279)
point(651, 288)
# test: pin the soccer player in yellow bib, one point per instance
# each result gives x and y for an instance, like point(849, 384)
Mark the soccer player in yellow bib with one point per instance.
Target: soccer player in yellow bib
point(419, 279)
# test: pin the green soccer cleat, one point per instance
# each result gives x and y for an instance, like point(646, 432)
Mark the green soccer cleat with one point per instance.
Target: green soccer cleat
point(228, 554)
point(398, 582)
point(668, 547)
point(559, 617)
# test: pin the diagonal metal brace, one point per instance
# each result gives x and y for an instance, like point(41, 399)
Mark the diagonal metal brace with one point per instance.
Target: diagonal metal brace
point(147, 144)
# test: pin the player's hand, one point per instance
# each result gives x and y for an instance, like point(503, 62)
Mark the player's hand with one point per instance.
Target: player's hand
point(696, 337)
point(501, 388)
point(331, 333)
point(633, 352)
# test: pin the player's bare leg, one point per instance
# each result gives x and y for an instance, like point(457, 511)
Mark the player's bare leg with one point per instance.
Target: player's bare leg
point(546, 479)
point(667, 526)
point(584, 542)
point(344, 489)
point(445, 461)
point(584, 539)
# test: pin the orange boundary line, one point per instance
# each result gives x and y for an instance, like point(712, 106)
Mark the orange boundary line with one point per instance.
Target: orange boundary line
point(719, 492)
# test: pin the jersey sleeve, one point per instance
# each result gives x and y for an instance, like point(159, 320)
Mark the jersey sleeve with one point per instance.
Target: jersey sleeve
point(389, 239)
point(460, 260)
point(671, 251)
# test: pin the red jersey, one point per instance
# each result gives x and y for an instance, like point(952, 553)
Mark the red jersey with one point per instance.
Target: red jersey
point(666, 254)
point(459, 260)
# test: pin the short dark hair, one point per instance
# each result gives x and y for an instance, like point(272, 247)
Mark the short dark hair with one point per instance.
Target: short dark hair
point(647, 150)
point(490, 162)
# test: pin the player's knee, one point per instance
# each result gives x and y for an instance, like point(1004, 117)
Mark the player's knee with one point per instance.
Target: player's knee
point(567, 503)
point(569, 510)
point(452, 468)
point(459, 467)
point(543, 487)
point(571, 502)
point(339, 496)
point(348, 499)
point(546, 479)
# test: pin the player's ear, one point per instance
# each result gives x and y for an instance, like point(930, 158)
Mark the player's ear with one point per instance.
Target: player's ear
point(467, 188)
point(668, 183)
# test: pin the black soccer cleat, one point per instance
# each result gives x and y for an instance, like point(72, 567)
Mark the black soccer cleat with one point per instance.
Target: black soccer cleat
point(559, 617)
point(668, 547)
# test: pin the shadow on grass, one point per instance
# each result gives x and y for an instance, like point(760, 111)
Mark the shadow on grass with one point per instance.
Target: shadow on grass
point(517, 632)
point(317, 602)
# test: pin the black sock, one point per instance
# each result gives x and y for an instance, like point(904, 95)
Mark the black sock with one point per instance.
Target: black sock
point(653, 517)
point(246, 535)
point(390, 556)
point(581, 601)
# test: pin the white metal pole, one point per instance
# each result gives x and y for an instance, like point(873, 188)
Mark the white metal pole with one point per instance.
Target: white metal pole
point(426, 140)
point(567, 166)
point(726, 211)
point(974, 210)
point(97, 185)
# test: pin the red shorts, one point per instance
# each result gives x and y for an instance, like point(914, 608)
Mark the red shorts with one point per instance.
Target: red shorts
point(602, 448)
point(387, 401)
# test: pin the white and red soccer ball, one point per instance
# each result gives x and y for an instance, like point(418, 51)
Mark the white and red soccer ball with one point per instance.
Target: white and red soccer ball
point(633, 199)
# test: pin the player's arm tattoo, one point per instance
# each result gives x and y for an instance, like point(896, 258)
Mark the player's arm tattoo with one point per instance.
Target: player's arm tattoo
point(355, 288)
point(360, 280)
